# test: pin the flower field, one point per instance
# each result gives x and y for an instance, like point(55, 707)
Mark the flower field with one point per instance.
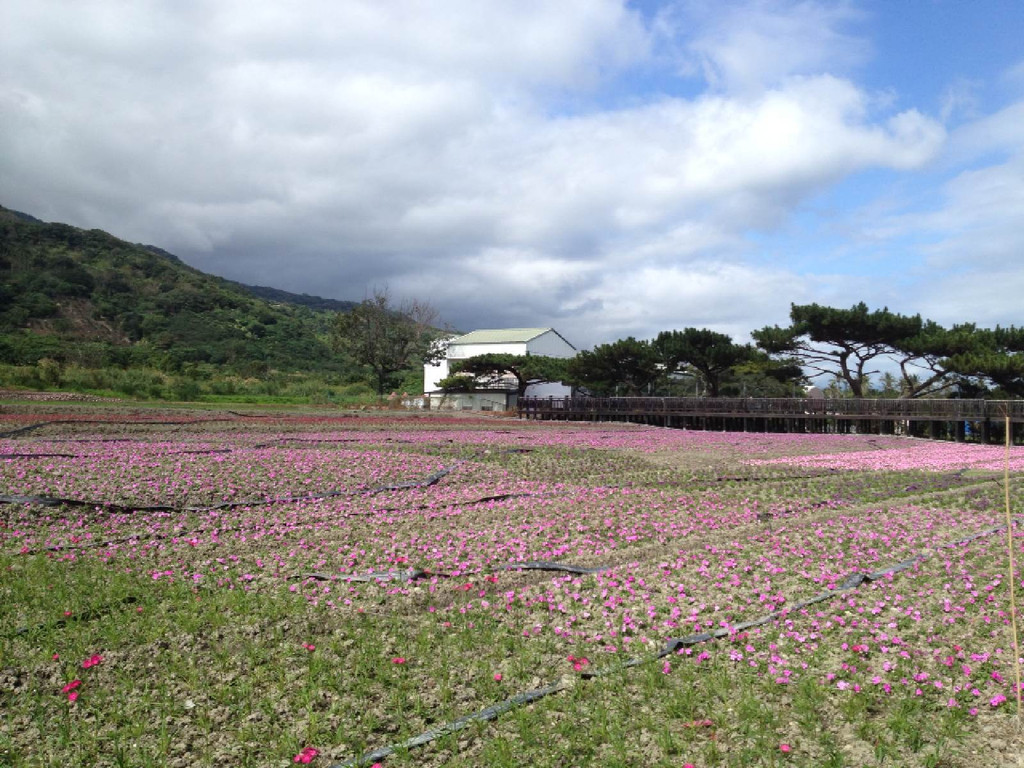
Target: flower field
point(209, 588)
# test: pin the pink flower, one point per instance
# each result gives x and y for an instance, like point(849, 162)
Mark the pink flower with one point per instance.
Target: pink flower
point(666, 668)
point(497, 677)
point(306, 755)
point(71, 686)
point(56, 656)
point(996, 700)
point(73, 696)
point(398, 660)
point(578, 663)
point(785, 748)
point(92, 661)
point(309, 647)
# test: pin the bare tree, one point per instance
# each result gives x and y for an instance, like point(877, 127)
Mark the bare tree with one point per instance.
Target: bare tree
point(385, 337)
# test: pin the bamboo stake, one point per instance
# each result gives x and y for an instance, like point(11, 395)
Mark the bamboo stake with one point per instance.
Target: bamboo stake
point(1013, 596)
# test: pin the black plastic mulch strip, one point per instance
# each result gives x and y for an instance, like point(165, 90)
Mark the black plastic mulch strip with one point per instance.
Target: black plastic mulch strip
point(852, 581)
point(55, 422)
point(488, 713)
point(410, 574)
point(90, 615)
point(39, 456)
point(772, 479)
point(897, 568)
point(468, 503)
point(52, 501)
point(545, 565)
point(56, 501)
point(198, 451)
point(33, 427)
point(93, 440)
point(279, 440)
point(968, 539)
point(146, 539)
point(42, 501)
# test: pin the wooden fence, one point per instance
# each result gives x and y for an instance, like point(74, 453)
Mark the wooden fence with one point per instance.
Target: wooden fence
point(946, 419)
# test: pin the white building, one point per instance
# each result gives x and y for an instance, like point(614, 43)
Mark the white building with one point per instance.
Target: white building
point(546, 342)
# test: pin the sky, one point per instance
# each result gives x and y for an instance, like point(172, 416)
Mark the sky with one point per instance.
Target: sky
point(608, 168)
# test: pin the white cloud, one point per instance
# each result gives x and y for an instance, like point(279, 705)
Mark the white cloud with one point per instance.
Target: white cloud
point(749, 46)
point(998, 133)
point(979, 223)
point(329, 146)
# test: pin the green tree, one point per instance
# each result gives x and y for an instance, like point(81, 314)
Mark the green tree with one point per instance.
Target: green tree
point(713, 355)
point(626, 367)
point(386, 338)
point(851, 343)
point(490, 368)
point(996, 356)
point(925, 357)
point(763, 376)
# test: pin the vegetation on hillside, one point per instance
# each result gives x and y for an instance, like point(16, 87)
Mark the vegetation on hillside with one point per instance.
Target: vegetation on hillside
point(83, 309)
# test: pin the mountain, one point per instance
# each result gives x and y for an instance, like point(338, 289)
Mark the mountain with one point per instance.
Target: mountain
point(88, 298)
point(277, 296)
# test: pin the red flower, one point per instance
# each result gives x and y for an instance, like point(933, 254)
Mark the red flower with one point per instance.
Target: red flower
point(306, 755)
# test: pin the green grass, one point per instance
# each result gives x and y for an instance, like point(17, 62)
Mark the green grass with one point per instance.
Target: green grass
point(202, 677)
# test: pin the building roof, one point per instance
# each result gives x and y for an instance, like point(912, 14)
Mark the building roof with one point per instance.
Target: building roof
point(501, 336)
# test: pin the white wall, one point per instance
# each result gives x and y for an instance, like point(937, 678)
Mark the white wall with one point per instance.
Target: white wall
point(462, 351)
point(550, 344)
point(470, 401)
point(548, 389)
point(432, 374)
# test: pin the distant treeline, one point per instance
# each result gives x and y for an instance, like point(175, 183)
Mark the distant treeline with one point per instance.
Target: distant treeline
point(863, 352)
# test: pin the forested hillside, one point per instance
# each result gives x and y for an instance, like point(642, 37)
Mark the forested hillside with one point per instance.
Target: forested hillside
point(83, 298)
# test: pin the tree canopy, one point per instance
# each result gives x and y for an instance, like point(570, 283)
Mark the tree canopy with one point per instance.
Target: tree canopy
point(483, 370)
point(624, 367)
point(384, 337)
point(996, 355)
point(710, 353)
point(853, 344)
